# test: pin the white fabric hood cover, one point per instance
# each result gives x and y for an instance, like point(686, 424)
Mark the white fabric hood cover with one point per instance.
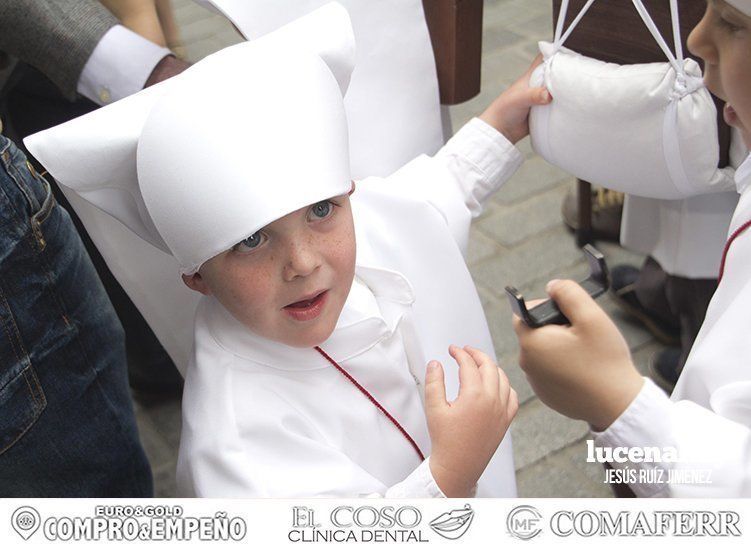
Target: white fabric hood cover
point(201, 161)
point(742, 5)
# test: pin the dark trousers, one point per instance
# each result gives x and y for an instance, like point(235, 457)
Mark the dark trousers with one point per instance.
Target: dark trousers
point(67, 427)
point(30, 103)
point(676, 300)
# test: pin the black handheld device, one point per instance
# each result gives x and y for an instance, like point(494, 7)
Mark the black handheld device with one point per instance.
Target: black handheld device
point(548, 312)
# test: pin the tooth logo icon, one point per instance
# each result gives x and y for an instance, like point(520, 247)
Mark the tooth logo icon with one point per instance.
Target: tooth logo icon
point(25, 521)
point(453, 524)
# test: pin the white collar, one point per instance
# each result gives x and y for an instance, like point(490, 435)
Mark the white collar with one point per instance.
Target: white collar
point(376, 303)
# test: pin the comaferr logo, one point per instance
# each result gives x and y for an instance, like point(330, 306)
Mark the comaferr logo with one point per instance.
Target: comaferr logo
point(526, 522)
point(589, 523)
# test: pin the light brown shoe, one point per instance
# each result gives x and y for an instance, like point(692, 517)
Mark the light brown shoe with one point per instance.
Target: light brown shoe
point(607, 207)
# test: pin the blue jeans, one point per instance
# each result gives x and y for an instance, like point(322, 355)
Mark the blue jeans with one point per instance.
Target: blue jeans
point(67, 427)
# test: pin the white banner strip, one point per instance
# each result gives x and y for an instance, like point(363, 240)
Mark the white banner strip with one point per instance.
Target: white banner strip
point(276, 521)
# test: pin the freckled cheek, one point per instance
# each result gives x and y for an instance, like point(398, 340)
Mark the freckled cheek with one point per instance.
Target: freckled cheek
point(252, 290)
point(343, 254)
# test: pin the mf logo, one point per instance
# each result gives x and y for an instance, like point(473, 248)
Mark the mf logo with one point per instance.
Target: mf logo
point(524, 522)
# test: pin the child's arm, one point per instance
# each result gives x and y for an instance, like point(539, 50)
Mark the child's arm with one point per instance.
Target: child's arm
point(585, 372)
point(474, 163)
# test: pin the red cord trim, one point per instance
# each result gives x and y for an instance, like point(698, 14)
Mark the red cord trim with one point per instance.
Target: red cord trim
point(373, 400)
point(745, 226)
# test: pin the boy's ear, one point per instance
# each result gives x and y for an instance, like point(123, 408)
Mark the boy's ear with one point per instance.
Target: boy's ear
point(196, 282)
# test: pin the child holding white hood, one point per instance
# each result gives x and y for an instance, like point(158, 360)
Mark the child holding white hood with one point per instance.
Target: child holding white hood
point(585, 371)
point(311, 349)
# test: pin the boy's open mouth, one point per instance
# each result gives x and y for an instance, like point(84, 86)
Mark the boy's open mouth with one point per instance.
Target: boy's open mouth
point(307, 308)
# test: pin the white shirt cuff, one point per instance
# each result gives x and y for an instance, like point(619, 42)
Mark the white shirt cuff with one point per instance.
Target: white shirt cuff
point(645, 423)
point(119, 66)
point(489, 153)
point(419, 484)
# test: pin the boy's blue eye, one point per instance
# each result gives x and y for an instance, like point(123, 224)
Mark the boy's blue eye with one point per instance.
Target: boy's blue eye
point(251, 242)
point(321, 209)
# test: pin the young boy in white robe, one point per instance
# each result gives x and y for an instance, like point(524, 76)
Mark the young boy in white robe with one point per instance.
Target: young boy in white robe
point(322, 304)
point(585, 370)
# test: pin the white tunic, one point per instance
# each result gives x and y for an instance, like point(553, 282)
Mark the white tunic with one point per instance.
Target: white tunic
point(262, 419)
point(708, 418)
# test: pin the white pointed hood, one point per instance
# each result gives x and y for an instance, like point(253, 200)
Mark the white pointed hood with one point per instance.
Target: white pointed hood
point(742, 5)
point(201, 161)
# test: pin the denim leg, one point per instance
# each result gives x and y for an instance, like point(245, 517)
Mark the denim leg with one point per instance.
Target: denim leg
point(67, 427)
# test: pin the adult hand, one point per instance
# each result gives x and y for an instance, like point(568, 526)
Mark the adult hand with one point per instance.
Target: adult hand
point(509, 113)
point(584, 370)
point(166, 68)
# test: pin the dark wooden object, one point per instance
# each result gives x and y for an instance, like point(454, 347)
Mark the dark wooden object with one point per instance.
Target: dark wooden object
point(612, 31)
point(456, 34)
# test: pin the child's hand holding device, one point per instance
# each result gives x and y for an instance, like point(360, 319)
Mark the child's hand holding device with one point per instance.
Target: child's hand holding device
point(584, 370)
point(466, 432)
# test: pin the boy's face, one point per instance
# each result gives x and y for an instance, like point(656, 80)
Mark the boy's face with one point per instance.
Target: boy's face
point(289, 281)
point(723, 40)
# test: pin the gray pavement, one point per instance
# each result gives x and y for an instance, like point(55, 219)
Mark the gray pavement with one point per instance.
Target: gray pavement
point(520, 240)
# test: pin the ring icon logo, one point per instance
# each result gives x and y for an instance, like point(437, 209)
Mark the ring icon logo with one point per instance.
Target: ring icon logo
point(453, 524)
point(25, 521)
point(524, 522)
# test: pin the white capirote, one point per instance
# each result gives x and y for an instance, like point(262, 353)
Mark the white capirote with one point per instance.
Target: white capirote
point(392, 103)
point(708, 418)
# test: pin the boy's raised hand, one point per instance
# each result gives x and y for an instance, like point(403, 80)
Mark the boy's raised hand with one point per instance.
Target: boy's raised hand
point(509, 113)
point(466, 432)
point(584, 370)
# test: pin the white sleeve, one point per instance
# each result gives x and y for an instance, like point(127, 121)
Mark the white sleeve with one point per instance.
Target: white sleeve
point(119, 66)
point(480, 160)
point(471, 167)
point(714, 452)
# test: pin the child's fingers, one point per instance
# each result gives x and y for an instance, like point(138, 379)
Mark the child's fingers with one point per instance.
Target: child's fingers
point(488, 368)
point(535, 96)
point(504, 386)
point(435, 388)
point(520, 327)
point(469, 375)
point(513, 405)
point(575, 303)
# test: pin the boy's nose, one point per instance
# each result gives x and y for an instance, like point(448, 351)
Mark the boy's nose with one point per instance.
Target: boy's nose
point(302, 260)
point(699, 41)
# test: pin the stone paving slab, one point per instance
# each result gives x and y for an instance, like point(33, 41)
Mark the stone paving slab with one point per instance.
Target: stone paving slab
point(520, 241)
